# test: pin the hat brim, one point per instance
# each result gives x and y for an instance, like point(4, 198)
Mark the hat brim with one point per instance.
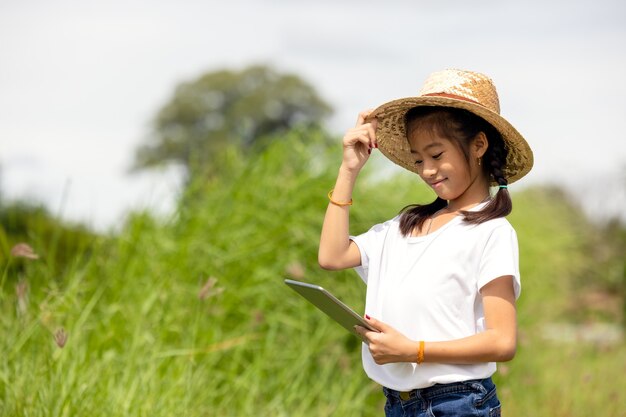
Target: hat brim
point(392, 141)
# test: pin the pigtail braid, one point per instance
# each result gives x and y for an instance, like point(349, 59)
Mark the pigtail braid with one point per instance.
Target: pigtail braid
point(415, 215)
point(497, 154)
point(494, 161)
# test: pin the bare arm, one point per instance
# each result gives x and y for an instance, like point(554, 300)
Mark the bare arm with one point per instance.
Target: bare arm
point(336, 250)
point(496, 344)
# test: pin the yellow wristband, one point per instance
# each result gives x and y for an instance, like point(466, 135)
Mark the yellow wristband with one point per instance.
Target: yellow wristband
point(338, 203)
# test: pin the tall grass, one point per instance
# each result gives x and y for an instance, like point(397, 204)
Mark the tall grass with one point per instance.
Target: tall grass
point(150, 333)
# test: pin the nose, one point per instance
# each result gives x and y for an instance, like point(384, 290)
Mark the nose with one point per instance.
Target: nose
point(429, 169)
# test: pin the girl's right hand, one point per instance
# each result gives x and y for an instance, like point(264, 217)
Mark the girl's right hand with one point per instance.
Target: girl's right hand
point(358, 143)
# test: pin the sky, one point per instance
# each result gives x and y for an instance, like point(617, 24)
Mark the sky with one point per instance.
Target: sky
point(81, 81)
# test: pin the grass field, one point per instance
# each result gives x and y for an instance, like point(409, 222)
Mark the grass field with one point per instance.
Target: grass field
point(188, 315)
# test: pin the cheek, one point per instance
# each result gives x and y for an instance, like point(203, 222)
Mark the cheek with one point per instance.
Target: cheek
point(451, 168)
point(459, 168)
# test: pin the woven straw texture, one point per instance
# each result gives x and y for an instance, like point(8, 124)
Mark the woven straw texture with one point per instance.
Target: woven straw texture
point(461, 89)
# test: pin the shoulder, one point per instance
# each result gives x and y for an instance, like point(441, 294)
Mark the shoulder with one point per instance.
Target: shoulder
point(501, 224)
point(378, 235)
point(492, 232)
point(393, 223)
point(378, 230)
point(496, 234)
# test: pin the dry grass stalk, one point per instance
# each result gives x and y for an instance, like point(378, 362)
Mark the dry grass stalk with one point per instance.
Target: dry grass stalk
point(208, 290)
point(60, 337)
point(21, 291)
point(23, 250)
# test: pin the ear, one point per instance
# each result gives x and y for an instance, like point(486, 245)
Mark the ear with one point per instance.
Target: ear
point(479, 145)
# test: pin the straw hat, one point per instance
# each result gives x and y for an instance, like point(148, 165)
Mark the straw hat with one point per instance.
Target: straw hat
point(460, 89)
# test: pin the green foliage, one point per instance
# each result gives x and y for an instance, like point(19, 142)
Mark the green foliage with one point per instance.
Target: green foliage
point(225, 109)
point(57, 244)
point(150, 333)
point(587, 270)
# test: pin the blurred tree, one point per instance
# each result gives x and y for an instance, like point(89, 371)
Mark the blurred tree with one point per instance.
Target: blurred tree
point(228, 108)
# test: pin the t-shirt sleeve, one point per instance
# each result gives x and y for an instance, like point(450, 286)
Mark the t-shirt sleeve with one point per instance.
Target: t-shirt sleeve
point(370, 243)
point(500, 257)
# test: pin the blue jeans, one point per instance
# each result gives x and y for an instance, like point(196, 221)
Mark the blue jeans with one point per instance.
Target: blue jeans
point(469, 398)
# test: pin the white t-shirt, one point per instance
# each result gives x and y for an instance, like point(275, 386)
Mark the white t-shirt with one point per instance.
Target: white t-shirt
point(428, 287)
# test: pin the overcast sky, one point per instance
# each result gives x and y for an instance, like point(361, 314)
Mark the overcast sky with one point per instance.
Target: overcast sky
point(81, 80)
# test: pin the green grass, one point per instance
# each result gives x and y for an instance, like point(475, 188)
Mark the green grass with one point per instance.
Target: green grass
point(141, 342)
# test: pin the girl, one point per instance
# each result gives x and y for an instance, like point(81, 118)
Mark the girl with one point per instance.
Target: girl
point(442, 278)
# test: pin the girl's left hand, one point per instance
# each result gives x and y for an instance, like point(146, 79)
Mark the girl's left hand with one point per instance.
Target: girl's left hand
point(388, 345)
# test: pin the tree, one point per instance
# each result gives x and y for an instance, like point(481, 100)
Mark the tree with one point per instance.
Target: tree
point(228, 108)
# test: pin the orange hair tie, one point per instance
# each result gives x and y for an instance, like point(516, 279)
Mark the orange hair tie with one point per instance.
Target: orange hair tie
point(420, 353)
point(338, 203)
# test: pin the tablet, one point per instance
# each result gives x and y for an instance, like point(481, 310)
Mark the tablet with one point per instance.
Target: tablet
point(330, 305)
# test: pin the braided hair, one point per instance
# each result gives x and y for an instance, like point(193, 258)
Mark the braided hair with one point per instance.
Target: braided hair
point(460, 126)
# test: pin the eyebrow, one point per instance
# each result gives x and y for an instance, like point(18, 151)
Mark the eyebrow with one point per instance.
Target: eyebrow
point(427, 147)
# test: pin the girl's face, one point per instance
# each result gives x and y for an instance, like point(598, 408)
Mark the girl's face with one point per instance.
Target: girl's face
point(444, 167)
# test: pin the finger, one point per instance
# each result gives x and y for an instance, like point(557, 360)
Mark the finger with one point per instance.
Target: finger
point(361, 332)
point(362, 116)
point(365, 138)
point(354, 138)
point(368, 131)
point(371, 130)
point(378, 325)
point(359, 329)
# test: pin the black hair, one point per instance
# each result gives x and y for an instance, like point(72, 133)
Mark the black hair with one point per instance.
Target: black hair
point(460, 127)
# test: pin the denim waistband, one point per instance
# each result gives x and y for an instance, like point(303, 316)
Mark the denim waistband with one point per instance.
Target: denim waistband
point(481, 385)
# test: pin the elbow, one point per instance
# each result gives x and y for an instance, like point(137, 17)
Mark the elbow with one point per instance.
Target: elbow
point(335, 260)
point(329, 261)
point(505, 350)
point(326, 263)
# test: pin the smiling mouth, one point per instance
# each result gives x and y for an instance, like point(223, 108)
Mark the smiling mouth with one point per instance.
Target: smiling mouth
point(435, 183)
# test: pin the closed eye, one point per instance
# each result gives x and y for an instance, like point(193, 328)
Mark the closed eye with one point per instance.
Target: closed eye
point(438, 155)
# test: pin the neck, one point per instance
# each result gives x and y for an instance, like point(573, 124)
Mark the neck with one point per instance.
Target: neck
point(476, 193)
